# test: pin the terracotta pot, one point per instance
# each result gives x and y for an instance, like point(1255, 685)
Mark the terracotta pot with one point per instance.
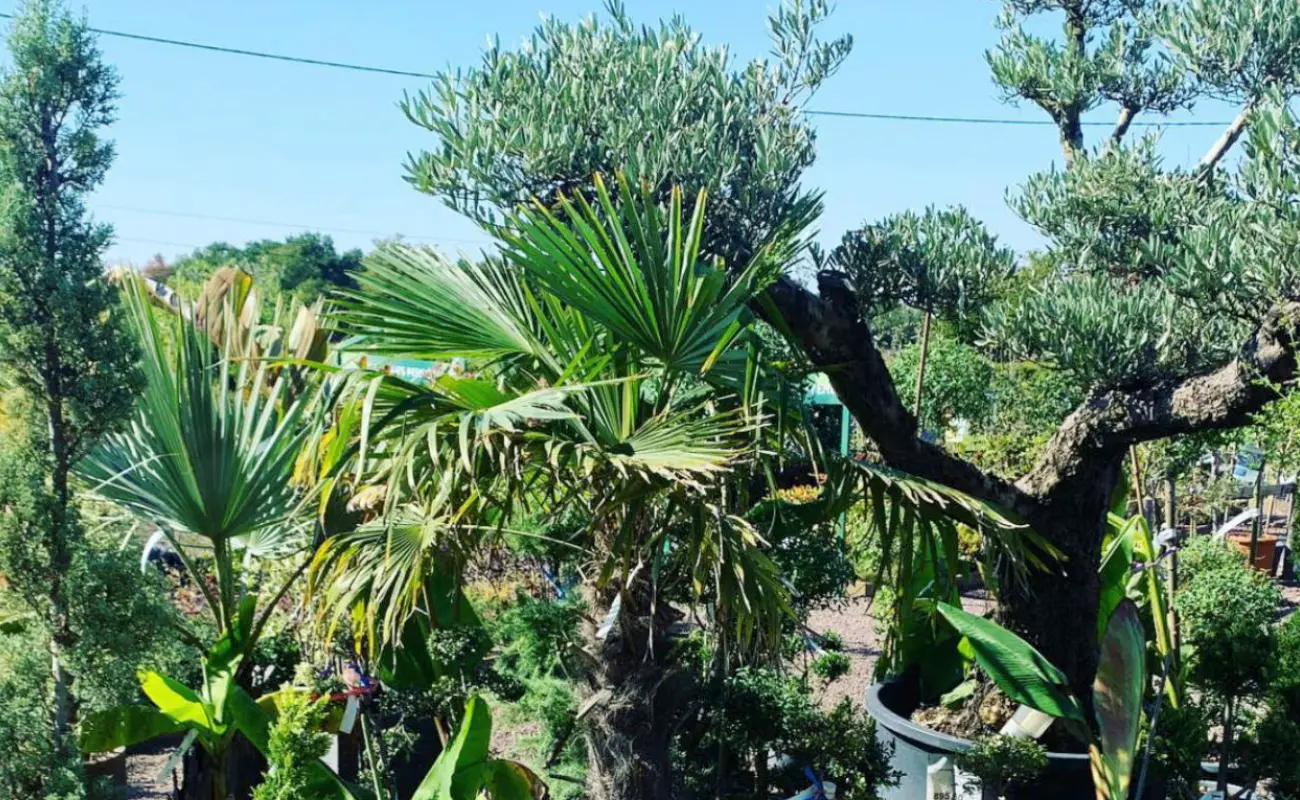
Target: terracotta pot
point(1265, 549)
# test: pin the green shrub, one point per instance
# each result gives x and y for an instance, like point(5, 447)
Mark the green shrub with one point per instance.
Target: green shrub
point(123, 619)
point(1226, 616)
point(296, 742)
point(1202, 554)
point(31, 766)
point(830, 640)
point(1275, 756)
point(830, 666)
point(536, 636)
point(760, 711)
point(1178, 747)
point(1001, 762)
point(1285, 688)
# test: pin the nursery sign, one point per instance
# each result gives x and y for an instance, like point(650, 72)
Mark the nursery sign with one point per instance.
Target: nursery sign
point(1250, 460)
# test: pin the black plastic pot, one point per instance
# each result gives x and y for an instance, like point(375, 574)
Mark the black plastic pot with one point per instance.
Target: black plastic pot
point(1067, 776)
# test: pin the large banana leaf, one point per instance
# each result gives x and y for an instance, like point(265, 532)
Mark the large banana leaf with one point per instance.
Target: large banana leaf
point(1015, 666)
point(464, 769)
point(1117, 702)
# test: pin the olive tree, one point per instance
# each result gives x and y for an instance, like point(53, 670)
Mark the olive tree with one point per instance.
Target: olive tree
point(1169, 295)
point(1168, 289)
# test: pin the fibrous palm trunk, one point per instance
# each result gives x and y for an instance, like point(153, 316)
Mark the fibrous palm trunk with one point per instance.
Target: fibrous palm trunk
point(638, 697)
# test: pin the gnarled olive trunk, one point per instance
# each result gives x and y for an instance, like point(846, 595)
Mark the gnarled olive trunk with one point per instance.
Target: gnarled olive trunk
point(1057, 610)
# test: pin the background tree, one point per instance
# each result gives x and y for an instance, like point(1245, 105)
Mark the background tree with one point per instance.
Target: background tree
point(601, 96)
point(303, 267)
point(942, 263)
point(63, 345)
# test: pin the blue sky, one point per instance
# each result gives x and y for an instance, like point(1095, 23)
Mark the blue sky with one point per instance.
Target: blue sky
point(246, 139)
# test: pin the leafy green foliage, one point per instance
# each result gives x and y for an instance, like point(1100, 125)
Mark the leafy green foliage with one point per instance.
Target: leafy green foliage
point(64, 348)
point(1106, 53)
point(761, 710)
point(64, 339)
point(1203, 555)
point(296, 741)
point(1226, 615)
point(537, 636)
point(303, 267)
point(1002, 762)
point(1157, 271)
point(545, 118)
point(943, 261)
point(830, 666)
point(1178, 747)
point(463, 769)
point(1277, 740)
point(1285, 687)
point(1236, 50)
point(206, 454)
point(957, 382)
point(1029, 402)
point(1015, 666)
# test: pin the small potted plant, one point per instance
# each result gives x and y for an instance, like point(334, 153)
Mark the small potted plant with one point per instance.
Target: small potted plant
point(998, 764)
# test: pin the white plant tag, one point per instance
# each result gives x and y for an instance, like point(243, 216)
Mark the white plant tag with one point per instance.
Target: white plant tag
point(179, 753)
point(350, 714)
point(1027, 723)
point(940, 780)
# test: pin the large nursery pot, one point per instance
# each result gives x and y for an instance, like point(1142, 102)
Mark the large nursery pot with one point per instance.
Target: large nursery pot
point(1066, 777)
point(1265, 549)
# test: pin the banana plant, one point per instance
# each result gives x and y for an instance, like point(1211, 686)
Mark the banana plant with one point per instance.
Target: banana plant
point(210, 715)
point(465, 771)
point(1129, 570)
point(1027, 677)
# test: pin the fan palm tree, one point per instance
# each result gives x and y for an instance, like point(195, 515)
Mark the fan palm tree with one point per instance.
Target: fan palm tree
point(209, 460)
point(613, 368)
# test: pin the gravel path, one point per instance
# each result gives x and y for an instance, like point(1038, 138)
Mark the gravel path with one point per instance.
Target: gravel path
point(855, 625)
point(142, 770)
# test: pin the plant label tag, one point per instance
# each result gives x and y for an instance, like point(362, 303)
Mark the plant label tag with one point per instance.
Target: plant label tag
point(350, 714)
point(177, 755)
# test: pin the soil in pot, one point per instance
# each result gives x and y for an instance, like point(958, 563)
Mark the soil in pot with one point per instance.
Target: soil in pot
point(983, 713)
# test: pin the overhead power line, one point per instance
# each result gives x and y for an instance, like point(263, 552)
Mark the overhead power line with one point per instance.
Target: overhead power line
point(1008, 121)
point(291, 225)
point(236, 51)
point(919, 118)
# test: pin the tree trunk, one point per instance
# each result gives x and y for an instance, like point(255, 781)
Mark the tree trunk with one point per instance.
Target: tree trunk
point(1056, 610)
point(634, 712)
point(62, 637)
point(920, 368)
point(204, 780)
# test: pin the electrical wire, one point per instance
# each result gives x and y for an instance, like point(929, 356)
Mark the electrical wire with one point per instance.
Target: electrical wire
point(290, 225)
point(867, 115)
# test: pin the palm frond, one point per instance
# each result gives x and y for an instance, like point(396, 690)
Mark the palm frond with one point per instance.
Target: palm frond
point(212, 445)
point(415, 302)
point(639, 271)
